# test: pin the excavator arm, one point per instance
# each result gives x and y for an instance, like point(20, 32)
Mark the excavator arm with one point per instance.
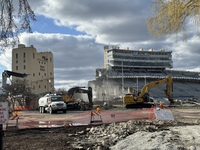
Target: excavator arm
point(77, 89)
point(6, 74)
point(169, 89)
point(153, 84)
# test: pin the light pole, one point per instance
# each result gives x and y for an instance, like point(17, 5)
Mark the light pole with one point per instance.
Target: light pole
point(122, 79)
point(107, 89)
point(137, 84)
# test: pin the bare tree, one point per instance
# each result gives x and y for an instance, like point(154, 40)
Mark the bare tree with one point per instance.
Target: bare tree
point(13, 23)
point(169, 16)
point(21, 93)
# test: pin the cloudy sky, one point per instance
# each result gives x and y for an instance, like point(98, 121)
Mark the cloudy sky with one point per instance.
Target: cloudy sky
point(76, 31)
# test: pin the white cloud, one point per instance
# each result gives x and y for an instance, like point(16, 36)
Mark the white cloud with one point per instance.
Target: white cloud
point(105, 22)
point(113, 21)
point(186, 54)
point(6, 59)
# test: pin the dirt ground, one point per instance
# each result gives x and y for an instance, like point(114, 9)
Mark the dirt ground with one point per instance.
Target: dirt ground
point(79, 137)
point(69, 138)
point(44, 139)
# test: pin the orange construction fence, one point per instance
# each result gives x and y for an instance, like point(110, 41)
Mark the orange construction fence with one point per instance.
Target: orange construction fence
point(23, 108)
point(152, 115)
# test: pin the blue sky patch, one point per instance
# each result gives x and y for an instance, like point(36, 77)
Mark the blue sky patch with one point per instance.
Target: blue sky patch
point(47, 25)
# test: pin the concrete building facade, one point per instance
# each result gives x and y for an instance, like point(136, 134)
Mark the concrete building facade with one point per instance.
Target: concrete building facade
point(129, 70)
point(38, 65)
point(116, 58)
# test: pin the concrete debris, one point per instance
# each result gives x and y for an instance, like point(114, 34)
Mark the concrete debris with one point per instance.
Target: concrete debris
point(175, 138)
point(159, 134)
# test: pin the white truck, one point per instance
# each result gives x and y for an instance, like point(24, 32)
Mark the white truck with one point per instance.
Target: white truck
point(52, 104)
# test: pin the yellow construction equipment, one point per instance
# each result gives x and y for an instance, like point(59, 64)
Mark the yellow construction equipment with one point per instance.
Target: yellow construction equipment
point(142, 99)
point(75, 103)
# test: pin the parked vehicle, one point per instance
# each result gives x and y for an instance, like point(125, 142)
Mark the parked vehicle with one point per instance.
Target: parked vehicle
point(52, 104)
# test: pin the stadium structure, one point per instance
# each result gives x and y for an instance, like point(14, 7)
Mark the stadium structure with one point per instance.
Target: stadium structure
point(127, 70)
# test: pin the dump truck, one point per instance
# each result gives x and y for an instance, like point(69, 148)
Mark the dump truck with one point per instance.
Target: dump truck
point(143, 99)
point(52, 104)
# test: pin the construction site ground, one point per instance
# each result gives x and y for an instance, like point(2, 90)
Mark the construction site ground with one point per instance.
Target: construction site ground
point(74, 130)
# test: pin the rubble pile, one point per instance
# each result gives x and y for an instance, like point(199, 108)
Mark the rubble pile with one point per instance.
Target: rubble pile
point(176, 138)
point(105, 136)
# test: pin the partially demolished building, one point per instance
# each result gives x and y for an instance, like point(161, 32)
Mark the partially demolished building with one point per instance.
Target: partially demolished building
point(129, 70)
